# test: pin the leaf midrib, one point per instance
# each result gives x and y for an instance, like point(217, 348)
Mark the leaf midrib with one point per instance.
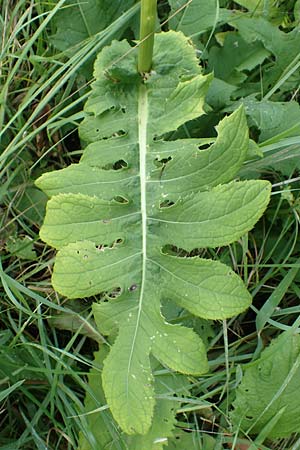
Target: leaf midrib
point(142, 140)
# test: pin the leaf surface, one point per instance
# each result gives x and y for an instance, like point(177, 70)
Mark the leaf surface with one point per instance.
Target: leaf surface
point(196, 17)
point(79, 20)
point(269, 384)
point(284, 46)
point(235, 56)
point(133, 194)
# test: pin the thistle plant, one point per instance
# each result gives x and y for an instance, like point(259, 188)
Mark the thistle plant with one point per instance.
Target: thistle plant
point(121, 216)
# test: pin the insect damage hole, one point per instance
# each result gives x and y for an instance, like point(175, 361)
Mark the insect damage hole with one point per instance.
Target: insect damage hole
point(162, 162)
point(203, 146)
point(120, 164)
point(166, 203)
point(116, 165)
point(120, 199)
point(133, 288)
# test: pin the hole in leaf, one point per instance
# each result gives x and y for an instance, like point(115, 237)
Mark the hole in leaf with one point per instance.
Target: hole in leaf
point(123, 110)
point(111, 294)
point(116, 242)
point(120, 164)
point(120, 199)
point(166, 203)
point(117, 165)
point(249, 417)
point(112, 136)
point(133, 287)
point(119, 133)
point(162, 162)
point(172, 250)
point(102, 247)
point(115, 292)
point(204, 147)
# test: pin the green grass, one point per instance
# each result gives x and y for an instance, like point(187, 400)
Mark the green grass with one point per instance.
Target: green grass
point(46, 349)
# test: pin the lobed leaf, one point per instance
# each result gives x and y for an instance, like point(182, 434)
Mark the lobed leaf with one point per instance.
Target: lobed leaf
point(133, 195)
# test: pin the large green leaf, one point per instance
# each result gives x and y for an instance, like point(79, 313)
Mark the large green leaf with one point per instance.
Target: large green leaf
point(270, 384)
point(273, 119)
point(134, 194)
point(284, 47)
point(78, 20)
point(233, 60)
point(194, 18)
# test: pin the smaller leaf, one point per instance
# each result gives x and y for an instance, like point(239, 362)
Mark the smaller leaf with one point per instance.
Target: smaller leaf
point(23, 248)
point(268, 385)
point(272, 118)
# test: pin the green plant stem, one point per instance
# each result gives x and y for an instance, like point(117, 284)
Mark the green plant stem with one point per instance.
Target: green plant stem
point(148, 17)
